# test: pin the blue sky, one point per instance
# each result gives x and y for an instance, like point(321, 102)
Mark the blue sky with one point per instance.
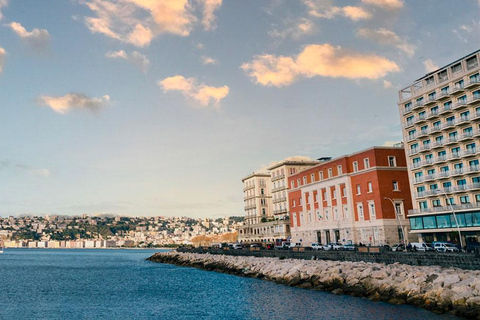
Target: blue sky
point(156, 107)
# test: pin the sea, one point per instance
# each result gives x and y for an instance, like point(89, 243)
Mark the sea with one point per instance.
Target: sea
point(121, 284)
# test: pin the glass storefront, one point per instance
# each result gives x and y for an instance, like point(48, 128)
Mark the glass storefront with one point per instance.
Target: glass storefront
point(442, 221)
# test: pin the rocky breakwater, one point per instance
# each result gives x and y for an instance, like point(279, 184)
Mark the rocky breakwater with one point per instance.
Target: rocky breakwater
point(441, 290)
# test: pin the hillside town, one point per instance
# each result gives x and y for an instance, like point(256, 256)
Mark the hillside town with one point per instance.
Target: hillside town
point(103, 231)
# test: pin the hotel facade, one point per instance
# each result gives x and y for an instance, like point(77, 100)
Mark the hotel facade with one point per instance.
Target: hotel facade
point(266, 202)
point(362, 197)
point(440, 113)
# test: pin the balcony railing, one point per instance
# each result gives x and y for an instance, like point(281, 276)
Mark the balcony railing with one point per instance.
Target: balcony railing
point(465, 206)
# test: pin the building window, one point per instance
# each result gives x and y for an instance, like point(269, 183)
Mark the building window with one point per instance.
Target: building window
point(293, 203)
point(304, 180)
point(298, 182)
point(358, 189)
point(329, 172)
point(370, 189)
point(398, 208)
point(360, 211)
point(395, 186)
point(292, 184)
point(355, 166)
point(464, 199)
point(371, 209)
point(334, 194)
point(436, 203)
point(392, 162)
point(312, 177)
point(344, 192)
point(366, 163)
point(321, 175)
point(339, 169)
point(299, 201)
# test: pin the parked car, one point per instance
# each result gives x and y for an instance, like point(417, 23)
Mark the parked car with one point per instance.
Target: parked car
point(294, 245)
point(398, 247)
point(282, 245)
point(333, 246)
point(349, 247)
point(255, 245)
point(420, 246)
point(237, 246)
point(445, 247)
point(386, 247)
point(317, 246)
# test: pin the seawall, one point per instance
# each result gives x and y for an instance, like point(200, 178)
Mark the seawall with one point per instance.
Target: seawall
point(441, 290)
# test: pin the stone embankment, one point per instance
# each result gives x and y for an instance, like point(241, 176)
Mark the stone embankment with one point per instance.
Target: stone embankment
point(441, 290)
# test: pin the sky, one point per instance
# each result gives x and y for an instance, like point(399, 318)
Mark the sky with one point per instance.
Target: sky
point(161, 107)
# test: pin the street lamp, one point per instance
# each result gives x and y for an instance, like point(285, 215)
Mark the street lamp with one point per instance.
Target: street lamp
point(455, 217)
point(396, 216)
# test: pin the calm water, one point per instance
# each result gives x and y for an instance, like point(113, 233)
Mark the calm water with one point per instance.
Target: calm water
point(120, 284)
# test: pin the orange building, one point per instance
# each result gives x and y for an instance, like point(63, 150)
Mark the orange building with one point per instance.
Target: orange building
point(362, 197)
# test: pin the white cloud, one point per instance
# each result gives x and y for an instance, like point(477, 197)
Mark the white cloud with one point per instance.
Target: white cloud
point(138, 22)
point(62, 104)
point(466, 28)
point(3, 54)
point(199, 46)
point(387, 37)
point(387, 84)
point(429, 65)
point(138, 59)
point(385, 4)
point(200, 93)
point(209, 7)
point(294, 29)
point(317, 60)
point(3, 3)
point(208, 60)
point(37, 39)
point(326, 9)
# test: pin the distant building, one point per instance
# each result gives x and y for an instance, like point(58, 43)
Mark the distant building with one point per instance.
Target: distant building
point(440, 114)
point(347, 199)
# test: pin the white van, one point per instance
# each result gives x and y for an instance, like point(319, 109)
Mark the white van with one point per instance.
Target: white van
point(420, 246)
point(295, 245)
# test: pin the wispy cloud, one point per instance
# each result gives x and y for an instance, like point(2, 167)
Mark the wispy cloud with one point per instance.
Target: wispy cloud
point(37, 39)
point(208, 60)
point(294, 29)
point(429, 65)
point(387, 37)
point(3, 54)
point(385, 4)
point(138, 22)
point(3, 4)
point(317, 60)
point(199, 93)
point(136, 58)
point(31, 170)
point(62, 104)
point(387, 84)
point(326, 9)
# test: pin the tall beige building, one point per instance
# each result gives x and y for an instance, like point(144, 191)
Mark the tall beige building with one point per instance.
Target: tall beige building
point(441, 129)
point(266, 202)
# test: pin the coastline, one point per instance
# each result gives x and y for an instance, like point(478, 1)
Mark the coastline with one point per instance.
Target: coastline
point(438, 289)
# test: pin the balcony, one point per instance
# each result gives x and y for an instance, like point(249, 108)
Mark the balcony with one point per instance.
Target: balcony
point(466, 136)
point(469, 152)
point(417, 105)
point(406, 110)
point(476, 115)
point(475, 82)
point(444, 95)
point(281, 199)
point(475, 99)
point(411, 137)
point(278, 177)
point(476, 133)
point(435, 129)
point(443, 174)
point(417, 164)
point(448, 125)
point(460, 105)
point(457, 90)
point(432, 114)
point(473, 169)
point(453, 156)
point(451, 140)
point(430, 177)
point(418, 179)
point(420, 119)
point(457, 172)
point(465, 206)
point(422, 133)
point(440, 159)
point(430, 100)
point(280, 188)
point(463, 121)
point(408, 124)
point(425, 148)
point(438, 144)
point(413, 151)
point(249, 187)
point(446, 109)
point(250, 207)
point(280, 211)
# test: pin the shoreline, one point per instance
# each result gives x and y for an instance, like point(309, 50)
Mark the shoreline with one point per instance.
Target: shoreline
point(438, 289)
